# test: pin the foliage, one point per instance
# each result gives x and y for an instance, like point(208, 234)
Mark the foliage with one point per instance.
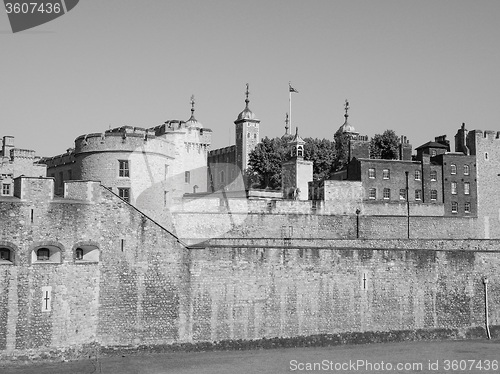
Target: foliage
point(265, 163)
point(341, 150)
point(322, 153)
point(385, 146)
point(265, 160)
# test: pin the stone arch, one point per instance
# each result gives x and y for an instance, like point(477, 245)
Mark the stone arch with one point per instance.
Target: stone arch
point(56, 252)
point(13, 253)
point(90, 251)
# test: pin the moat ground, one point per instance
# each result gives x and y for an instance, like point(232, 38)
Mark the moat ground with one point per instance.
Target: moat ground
point(477, 356)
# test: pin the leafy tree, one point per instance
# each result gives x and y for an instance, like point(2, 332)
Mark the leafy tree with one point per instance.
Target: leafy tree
point(385, 146)
point(266, 159)
point(265, 163)
point(322, 153)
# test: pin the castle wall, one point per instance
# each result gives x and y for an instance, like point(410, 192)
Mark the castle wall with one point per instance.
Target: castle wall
point(486, 147)
point(144, 289)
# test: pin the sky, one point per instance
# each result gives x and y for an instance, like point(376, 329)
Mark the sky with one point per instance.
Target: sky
point(420, 68)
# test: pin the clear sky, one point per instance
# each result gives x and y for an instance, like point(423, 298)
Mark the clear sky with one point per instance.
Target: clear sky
point(420, 67)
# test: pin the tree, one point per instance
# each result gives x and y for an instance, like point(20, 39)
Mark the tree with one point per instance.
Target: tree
point(266, 159)
point(322, 154)
point(385, 146)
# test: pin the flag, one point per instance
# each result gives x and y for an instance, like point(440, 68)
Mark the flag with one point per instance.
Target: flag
point(291, 89)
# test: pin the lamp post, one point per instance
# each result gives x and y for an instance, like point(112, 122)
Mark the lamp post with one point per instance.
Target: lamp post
point(357, 223)
point(407, 204)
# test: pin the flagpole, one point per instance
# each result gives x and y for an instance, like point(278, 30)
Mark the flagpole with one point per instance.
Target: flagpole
point(290, 103)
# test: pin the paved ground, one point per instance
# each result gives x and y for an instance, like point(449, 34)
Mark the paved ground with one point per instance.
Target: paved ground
point(421, 357)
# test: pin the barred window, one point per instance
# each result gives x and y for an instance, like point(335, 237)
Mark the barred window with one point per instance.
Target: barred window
point(453, 188)
point(372, 193)
point(4, 254)
point(387, 193)
point(124, 193)
point(453, 169)
point(43, 254)
point(124, 170)
point(371, 173)
point(467, 208)
point(433, 175)
point(454, 207)
point(417, 175)
point(466, 188)
point(434, 194)
point(466, 170)
point(6, 189)
point(402, 194)
point(386, 174)
point(418, 194)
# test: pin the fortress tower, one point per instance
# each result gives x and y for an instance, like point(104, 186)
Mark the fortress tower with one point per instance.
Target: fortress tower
point(296, 173)
point(247, 134)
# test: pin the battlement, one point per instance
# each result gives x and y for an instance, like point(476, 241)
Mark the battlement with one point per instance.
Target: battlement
point(222, 151)
point(22, 153)
point(486, 134)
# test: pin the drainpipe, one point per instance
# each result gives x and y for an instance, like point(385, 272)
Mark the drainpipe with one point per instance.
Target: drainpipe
point(485, 281)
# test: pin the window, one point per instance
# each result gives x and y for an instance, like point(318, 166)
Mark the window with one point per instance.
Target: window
point(187, 177)
point(46, 254)
point(466, 170)
point(386, 174)
point(485, 155)
point(43, 254)
point(418, 194)
point(433, 153)
point(222, 177)
point(124, 193)
point(387, 193)
point(255, 136)
point(300, 151)
point(453, 188)
point(466, 188)
point(454, 207)
point(434, 195)
point(248, 134)
point(371, 173)
point(417, 175)
point(467, 208)
point(402, 194)
point(433, 175)
point(453, 168)
point(6, 189)
point(372, 193)
point(124, 170)
point(79, 254)
point(87, 253)
point(4, 254)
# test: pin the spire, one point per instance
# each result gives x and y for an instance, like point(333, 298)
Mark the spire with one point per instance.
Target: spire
point(246, 99)
point(192, 108)
point(346, 107)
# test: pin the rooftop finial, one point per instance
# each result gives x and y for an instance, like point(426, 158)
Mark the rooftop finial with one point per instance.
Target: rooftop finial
point(246, 94)
point(192, 106)
point(346, 107)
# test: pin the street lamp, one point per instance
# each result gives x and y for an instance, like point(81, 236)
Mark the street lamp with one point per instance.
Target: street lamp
point(357, 223)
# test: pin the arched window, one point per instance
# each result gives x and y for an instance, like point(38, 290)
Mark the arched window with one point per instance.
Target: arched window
point(46, 253)
point(86, 253)
point(5, 254)
point(466, 170)
point(453, 169)
point(43, 254)
point(79, 254)
point(300, 151)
